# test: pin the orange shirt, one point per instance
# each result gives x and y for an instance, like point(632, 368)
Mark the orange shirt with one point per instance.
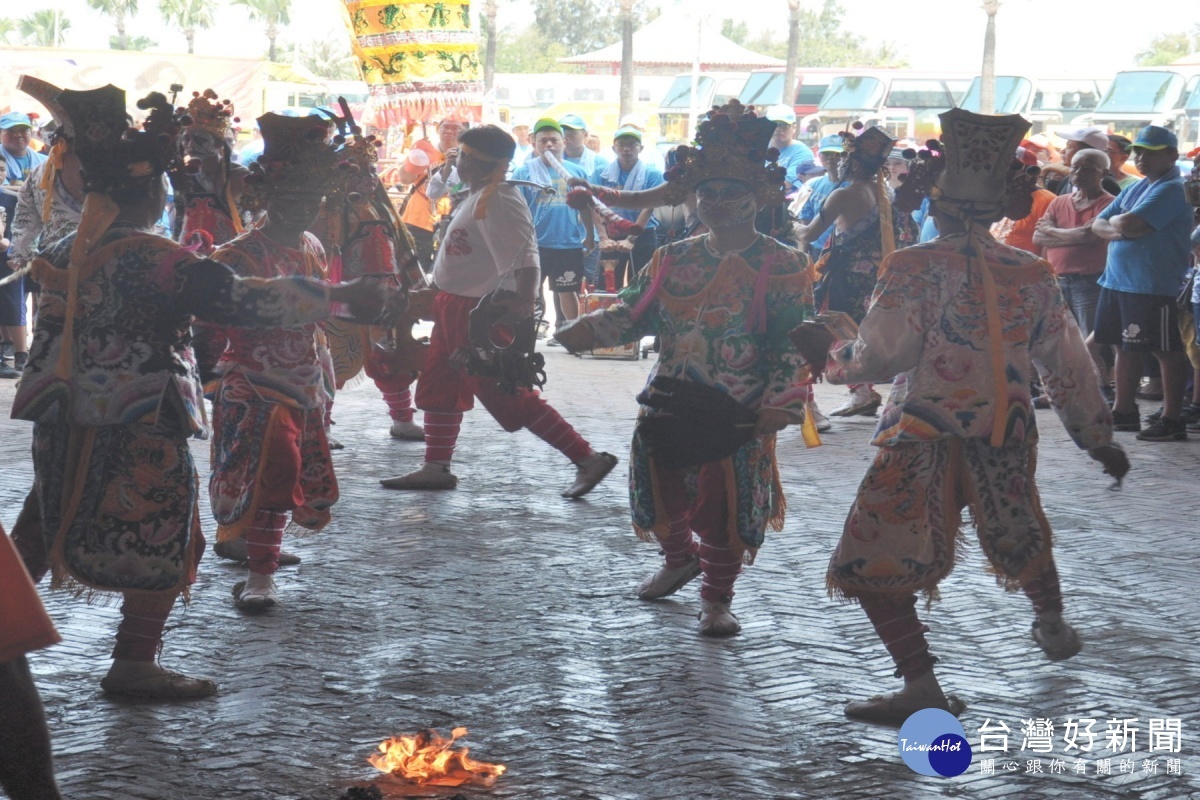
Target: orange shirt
point(418, 213)
point(1020, 233)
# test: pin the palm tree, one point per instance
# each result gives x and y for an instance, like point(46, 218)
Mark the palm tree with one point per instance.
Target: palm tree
point(7, 28)
point(987, 78)
point(330, 58)
point(489, 53)
point(272, 13)
point(44, 28)
point(188, 16)
point(793, 52)
point(118, 10)
point(626, 58)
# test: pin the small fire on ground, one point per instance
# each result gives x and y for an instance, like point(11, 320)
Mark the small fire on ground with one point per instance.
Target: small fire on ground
point(430, 759)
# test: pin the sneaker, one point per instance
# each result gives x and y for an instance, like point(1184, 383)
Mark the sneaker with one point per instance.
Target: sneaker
point(333, 443)
point(668, 580)
point(1155, 417)
point(589, 473)
point(429, 476)
point(862, 403)
point(7, 370)
point(552, 342)
point(717, 620)
point(407, 431)
point(1129, 421)
point(1165, 430)
point(1058, 640)
point(256, 593)
point(235, 550)
point(820, 420)
point(1190, 414)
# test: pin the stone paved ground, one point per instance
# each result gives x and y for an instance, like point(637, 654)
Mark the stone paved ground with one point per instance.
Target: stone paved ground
point(506, 609)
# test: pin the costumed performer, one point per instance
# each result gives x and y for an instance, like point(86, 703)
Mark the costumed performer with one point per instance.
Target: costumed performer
point(270, 451)
point(721, 305)
point(112, 387)
point(490, 245)
point(865, 231)
point(962, 322)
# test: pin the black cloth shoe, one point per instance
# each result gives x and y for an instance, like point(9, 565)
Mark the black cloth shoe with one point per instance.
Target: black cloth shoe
point(1127, 420)
point(1165, 430)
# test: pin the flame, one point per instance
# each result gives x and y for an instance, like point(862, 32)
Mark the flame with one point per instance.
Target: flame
point(431, 760)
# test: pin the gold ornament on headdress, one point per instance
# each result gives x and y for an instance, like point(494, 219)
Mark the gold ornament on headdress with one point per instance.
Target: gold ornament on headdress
point(207, 113)
point(732, 143)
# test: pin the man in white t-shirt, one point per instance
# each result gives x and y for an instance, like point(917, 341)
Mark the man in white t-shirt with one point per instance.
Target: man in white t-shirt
point(490, 245)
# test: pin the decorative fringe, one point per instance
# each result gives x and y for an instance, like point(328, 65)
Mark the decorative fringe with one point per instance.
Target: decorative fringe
point(887, 233)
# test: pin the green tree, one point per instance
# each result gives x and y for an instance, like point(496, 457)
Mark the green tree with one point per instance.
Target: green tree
point(44, 28)
point(272, 14)
point(8, 27)
point(132, 43)
point(581, 26)
point(330, 58)
point(188, 16)
point(118, 10)
point(530, 52)
point(822, 41)
point(1169, 47)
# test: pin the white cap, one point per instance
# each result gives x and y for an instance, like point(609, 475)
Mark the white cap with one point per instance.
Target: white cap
point(1094, 136)
point(781, 114)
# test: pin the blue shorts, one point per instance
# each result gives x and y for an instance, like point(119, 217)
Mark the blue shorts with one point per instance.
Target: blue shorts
point(12, 299)
point(1138, 323)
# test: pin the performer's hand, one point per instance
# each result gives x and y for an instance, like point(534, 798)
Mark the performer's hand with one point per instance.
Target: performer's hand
point(368, 302)
point(576, 336)
point(578, 183)
point(772, 420)
point(1115, 462)
point(589, 244)
point(812, 340)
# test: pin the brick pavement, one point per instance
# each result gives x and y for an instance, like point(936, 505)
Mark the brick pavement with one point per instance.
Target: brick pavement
point(506, 609)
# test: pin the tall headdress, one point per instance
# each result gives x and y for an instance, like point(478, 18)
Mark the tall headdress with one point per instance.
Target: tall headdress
point(47, 94)
point(973, 174)
point(871, 147)
point(732, 143)
point(206, 112)
point(298, 158)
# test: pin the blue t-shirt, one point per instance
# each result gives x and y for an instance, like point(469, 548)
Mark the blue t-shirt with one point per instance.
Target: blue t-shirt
point(18, 168)
point(1157, 263)
point(822, 187)
point(790, 158)
point(558, 225)
point(590, 162)
point(651, 177)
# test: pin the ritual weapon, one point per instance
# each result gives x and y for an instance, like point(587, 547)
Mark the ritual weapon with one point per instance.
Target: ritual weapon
point(694, 423)
point(581, 199)
point(502, 345)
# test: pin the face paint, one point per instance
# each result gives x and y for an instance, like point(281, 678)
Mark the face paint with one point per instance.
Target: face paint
point(724, 204)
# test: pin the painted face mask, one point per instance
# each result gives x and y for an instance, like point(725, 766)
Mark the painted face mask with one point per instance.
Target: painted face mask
point(724, 203)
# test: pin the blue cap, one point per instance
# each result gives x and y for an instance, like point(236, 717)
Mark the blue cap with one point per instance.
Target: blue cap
point(809, 168)
point(627, 130)
point(572, 121)
point(1153, 137)
point(781, 114)
point(13, 119)
point(831, 144)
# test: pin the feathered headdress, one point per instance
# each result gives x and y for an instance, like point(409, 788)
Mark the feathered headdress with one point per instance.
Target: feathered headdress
point(206, 112)
point(732, 143)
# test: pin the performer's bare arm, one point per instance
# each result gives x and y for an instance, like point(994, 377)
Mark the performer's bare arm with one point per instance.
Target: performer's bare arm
point(646, 198)
point(844, 207)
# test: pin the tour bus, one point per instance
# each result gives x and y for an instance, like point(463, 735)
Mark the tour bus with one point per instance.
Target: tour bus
point(1147, 96)
point(905, 103)
point(1044, 102)
point(764, 87)
point(712, 89)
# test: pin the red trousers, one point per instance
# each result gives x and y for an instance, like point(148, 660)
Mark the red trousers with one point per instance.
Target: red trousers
point(442, 386)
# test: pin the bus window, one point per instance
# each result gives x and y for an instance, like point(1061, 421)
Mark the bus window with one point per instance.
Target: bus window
point(855, 93)
point(919, 94)
point(763, 89)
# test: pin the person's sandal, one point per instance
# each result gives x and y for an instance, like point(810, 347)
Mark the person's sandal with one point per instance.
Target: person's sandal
point(893, 709)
